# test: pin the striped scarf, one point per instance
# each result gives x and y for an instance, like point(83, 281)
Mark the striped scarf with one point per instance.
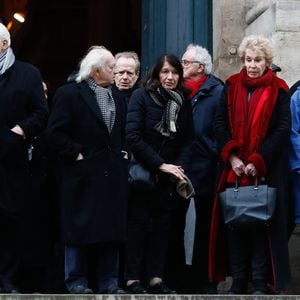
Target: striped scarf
point(7, 58)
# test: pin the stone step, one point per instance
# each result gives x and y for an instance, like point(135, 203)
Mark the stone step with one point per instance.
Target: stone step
point(142, 297)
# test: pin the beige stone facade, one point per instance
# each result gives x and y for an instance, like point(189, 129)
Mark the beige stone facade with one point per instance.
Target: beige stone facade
point(278, 20)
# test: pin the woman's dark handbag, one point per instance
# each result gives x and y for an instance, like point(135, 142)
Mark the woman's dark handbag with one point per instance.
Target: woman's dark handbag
point(248, 205)
point(141, 178)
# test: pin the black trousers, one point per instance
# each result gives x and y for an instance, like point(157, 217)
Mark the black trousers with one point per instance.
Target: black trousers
point(193, 278)
point(148, 234)
point(199, 268)
point(248, 252)
point(9, 246)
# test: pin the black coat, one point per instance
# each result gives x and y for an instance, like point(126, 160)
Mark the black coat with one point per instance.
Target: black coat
point(123, 97)
point(22, 102)
point(145, 142)
point(93, 190)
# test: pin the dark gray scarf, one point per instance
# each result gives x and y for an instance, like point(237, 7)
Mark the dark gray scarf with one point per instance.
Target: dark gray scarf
point(172, 102)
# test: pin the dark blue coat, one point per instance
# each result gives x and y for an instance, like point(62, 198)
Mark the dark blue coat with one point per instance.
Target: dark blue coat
point(202, 171)
point(294, 153)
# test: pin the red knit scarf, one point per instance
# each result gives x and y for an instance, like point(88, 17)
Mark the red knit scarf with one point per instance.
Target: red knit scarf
point(195, 85)
point(249, 120)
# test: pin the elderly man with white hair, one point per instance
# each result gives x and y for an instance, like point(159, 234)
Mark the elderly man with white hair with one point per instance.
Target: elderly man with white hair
point(206, 90)
point(23, 116)
point(85, 132)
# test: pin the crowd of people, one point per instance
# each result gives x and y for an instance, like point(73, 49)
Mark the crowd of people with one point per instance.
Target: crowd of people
point(69, 219)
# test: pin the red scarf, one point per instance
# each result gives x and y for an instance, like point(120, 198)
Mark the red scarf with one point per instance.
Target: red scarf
point(195, 85)
point(249, 120)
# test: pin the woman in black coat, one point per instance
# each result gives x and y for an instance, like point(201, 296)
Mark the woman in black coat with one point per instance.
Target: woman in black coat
point(159, 133)
point(85, 131)
point(252, 128)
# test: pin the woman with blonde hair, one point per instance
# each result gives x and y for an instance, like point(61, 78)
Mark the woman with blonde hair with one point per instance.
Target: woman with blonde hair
point(252, 128)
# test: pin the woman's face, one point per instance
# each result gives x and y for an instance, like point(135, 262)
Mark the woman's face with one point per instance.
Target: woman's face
point(168, 76)
point(255, 63)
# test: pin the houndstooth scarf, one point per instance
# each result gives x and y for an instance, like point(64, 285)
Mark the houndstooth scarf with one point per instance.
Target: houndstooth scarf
point(172, 101)
point(105, 102)
point(7, 58)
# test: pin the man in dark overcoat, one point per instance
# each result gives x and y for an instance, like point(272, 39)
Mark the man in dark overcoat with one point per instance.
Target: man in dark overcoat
point(85, 132)
point(206, 90)
point(23, 116)
point(127, 71)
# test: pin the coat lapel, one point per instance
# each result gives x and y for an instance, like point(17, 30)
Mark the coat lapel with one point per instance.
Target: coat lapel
point(90, 99)
point(118, 116)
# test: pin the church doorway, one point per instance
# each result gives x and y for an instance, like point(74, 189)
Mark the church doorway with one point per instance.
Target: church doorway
point(57, 33)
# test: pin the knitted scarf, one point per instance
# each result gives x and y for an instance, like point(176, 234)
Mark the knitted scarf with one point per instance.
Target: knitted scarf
point(7, 58)
point(249, 118)
point(171, 101)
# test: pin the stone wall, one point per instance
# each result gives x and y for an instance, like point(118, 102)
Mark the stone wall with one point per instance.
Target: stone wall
point(228, 28)
point(146, 297)
point(281, 23)
point(278, 20)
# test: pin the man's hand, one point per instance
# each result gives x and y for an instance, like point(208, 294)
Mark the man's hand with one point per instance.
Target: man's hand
point(79, 157)
point(18, 130)
point(125, 154)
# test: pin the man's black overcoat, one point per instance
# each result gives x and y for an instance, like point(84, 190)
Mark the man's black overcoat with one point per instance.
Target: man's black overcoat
point(93, 190)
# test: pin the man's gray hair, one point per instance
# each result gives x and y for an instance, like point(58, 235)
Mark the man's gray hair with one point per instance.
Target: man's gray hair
point(94, 59)
point(202, 55)
point(4, 34)
point(130, 54)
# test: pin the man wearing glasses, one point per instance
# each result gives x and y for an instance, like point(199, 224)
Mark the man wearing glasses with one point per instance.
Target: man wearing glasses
point(206, 92)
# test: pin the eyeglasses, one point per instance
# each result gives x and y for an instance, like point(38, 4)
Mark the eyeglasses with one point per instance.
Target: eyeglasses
point(186, 63)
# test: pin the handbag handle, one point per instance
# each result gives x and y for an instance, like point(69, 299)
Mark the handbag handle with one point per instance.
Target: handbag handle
point(236, 186)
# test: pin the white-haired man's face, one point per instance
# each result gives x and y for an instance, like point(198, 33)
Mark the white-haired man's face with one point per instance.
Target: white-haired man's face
point(105, 76)
point(4, 38)
point(192, 69)
point(3, 45)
